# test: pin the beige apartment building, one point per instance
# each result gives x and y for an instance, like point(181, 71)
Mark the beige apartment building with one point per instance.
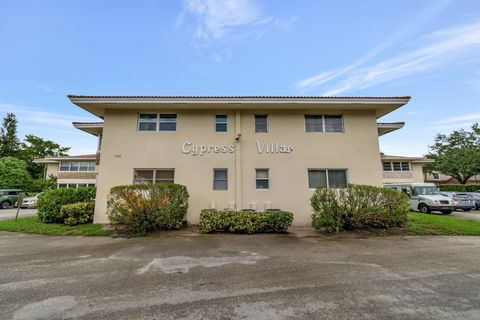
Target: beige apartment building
point(238, 152)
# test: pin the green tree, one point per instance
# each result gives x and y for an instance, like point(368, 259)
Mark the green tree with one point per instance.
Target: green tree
point(35, 147)
point(457, 154)
point(9, 143)
point(13, 173)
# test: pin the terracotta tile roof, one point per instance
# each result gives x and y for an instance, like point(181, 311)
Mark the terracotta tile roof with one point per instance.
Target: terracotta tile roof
point(234, 97)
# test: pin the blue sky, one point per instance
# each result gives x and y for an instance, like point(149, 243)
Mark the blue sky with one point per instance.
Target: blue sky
point(429, 50)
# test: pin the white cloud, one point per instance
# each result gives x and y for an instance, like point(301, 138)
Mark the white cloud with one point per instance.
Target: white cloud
point(472, 117)
point(410, 28)
point(38, 116)
point(444, 47)
point(216, 17)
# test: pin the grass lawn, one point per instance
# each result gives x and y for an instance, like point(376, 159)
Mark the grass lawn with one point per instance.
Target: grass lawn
point(421, 224)
point(31, 225)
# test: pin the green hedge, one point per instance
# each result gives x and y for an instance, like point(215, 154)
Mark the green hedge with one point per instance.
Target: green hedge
point(144, 208)
point(50, 202)
point(78, 213)
point(459, 187)
point(358, 207)
point(245, 221)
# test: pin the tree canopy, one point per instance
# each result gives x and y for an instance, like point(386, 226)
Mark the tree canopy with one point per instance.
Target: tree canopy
point(9, 143)
point(13, 173)
point(457, 154)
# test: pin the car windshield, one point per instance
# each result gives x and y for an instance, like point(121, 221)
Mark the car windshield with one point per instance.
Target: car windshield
point(425, 190)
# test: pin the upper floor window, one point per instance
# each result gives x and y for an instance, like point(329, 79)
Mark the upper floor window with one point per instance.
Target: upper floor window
point(221, 123)
point(396, 166)
point(168, 122)
point(436, 175)
point(261, 123)
point(319, 123)
point(156, 122)
point(331, 178)
point(147, 122)
point(145, 176)
point(77, 166)
point(220, 179)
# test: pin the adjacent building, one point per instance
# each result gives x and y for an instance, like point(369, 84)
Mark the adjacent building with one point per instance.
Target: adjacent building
point(240, 152)
point(399, 169)
point(71, 171)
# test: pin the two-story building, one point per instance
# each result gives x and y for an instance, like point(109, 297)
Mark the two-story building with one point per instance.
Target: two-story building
point(71, 171)
point(238, 152)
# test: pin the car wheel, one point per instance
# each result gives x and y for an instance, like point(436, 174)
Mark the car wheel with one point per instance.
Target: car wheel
point(447, 211)
point(5, 205)
point(423, 208)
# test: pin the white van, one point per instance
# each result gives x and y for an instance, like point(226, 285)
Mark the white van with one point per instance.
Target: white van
point(424, 197)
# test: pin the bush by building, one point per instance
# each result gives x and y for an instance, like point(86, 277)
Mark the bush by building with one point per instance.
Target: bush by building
point(78, 213)
point(50, 202)
point(358, 207)
point(245, 221)
point(459, 187)
point(145, 208)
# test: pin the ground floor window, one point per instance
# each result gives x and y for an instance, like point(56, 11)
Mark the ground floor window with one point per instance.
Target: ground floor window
point(144, 176)
point(262, 180)
point(220, 179)
point(75, 185)
point(331, 178)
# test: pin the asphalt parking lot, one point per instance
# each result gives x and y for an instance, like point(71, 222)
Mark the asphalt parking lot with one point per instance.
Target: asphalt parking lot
point(10, 213)
point(182, 275)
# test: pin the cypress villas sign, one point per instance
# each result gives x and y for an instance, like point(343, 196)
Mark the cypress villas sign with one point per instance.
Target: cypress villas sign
point(261, 147)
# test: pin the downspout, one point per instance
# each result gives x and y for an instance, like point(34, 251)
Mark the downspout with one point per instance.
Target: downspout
point(238, 161)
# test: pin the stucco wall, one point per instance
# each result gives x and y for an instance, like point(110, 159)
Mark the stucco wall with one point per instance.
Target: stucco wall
point(52, 169)
point(124, 148)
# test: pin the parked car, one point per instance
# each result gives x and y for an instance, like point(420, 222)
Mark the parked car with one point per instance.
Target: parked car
point(462, 202)
point(30, 202)
point(8, 197)
point(474, 196)
point(425, 197)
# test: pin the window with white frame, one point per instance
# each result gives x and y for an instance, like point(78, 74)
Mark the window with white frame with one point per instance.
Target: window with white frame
point(168, 122)
point(75, 185)
point(261, 123)
point(327, 178)
point(220, 179)
point(147, 122)
point(157, 122)
point(146, 176)
point(262, 180)
point(321, 123)
point(396, 166)
point(86, 166)
point(221, 123)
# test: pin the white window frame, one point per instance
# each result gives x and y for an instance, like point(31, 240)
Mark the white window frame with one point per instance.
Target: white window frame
point(215, 123)
point(156, 121)
point(323, 123)
point(267, 122)
point(89, 167)
point(268, 179)
point(154, 176)
point(401, 168)
point(168, 120)
point(226, 179)
point(326, 176)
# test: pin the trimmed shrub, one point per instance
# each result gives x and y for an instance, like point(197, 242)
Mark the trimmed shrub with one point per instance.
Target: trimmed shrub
point(143, 208)
point(459, 187)
point(358, 207)
point(78, 213)
point(50, 202)
point(245, 221)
